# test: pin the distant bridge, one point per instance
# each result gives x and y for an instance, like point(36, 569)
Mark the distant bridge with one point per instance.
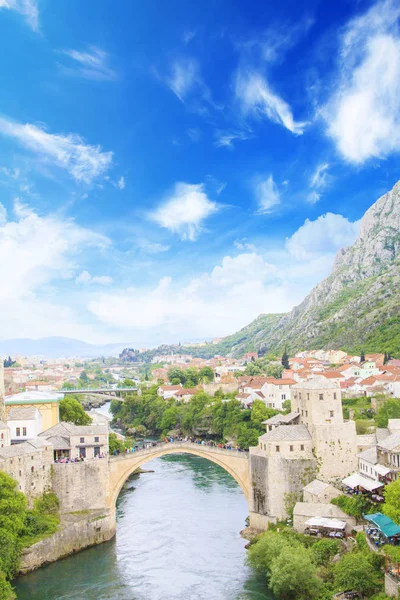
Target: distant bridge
point(111, 392)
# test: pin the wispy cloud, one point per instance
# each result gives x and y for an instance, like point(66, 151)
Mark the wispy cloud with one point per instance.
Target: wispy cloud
point(151, 247)
point(90, 64)
point(319, 181)
point(363, 113)
point(258, 99)
point(85, 278)
point(267, 194)
point(188, 36)
point(121, 183)
point(83, 161)
point(27, 8)
point(184, 79)
point(225, 139)
point(184, 211)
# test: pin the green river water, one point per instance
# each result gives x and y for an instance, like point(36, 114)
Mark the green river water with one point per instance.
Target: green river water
point(177, 539)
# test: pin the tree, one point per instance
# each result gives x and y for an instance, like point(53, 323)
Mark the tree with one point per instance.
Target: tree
point(274, 370)
point(362, 356)
point(390, 410)
point(264, 550)
point(71, 410)
point(206, 374)
point(294, 575)
point(285, 360)
point(385, 358)
point(324, 550)
point(391, 507)
point(83, 378)
point(253, 369)
point(355, 572)
point(114, 444)
point(13, 505)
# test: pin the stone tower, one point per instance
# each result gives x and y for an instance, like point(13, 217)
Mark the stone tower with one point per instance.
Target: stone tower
point(319, 404)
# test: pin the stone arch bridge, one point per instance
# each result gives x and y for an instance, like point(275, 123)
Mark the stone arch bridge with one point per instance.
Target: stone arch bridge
point(121, 467)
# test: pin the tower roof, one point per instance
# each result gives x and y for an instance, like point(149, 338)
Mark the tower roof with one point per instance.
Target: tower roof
point(317, 383)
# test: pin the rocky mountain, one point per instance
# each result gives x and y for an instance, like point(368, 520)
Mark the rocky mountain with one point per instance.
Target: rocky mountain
point(358, 305)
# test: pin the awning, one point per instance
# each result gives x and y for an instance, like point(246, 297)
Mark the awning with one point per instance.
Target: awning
point(382, 470)
point(384, 524)
point(357, 480)
point(327, 523)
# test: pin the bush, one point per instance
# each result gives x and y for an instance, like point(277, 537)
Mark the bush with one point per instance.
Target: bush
point(6, 591)
point(324, 550)
point(48, 503)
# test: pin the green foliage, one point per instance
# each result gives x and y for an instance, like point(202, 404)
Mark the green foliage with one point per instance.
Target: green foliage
point(13, 505)
point(356, 506)
point(115, 444)
point(391, 506)
point(286, 564)
point(293, 575)
point(220, 417)
point(206, 374)
point(393, 552)
point(189, 378)
point(389, 410)
point(361, 540)
point(324, 550)
point(6, 591)
point(72, 411)
point(354, 572)
point(285, 360)
point(21, 527)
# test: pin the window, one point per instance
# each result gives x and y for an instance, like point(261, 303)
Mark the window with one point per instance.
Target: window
point(96, 439)
point(277, 448)
point(306, 413)
point(2, 436)
point(308, 396)
point(20, 473)
point(321, 396)
point(334, 395)
point(291, 448)
point(302, 447)
point(302, 413)
point(24, 431)
point(32, 469)
point(18, 432)
point(82, 440)
point(299, 396)
point(331, 412)
point(283, 396)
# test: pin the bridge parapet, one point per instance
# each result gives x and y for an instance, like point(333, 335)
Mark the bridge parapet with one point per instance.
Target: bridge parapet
point(154, 449)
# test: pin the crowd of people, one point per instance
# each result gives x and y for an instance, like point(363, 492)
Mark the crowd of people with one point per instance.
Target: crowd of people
point(171, 439)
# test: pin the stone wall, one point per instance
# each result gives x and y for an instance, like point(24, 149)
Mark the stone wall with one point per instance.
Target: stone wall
point(76, 532)
point(391, 586)
point(336, 448)
point(81, 486)
point(227, 388)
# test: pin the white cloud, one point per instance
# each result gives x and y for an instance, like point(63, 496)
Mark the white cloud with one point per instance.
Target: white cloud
point(188, 36)
point(324, 236)
point(91, 64)
point(184, 211)
point(184, 76)
point(27, 8)
point(267, 195)
point(121, 183)
point(243, 244)
point(226, 138)
point(256, 97)
point(3, 214)
point(42, 253)
point(151, 247)
point(363, 114)
point(319, 181)
point(86, 278)
point(70, 152)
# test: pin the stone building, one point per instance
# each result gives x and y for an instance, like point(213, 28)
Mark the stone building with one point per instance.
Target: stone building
point(319, 404)
point(77, 441)
point(312, 440)
point(5, 435)
point(30, 465)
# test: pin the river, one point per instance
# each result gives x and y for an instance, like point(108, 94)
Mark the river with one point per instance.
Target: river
point(177, 539)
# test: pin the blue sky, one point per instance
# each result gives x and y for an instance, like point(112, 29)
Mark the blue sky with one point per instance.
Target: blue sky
point(170, 170)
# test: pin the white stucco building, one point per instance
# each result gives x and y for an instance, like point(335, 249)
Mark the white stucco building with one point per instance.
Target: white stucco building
point(5, 435)
point(25, 423)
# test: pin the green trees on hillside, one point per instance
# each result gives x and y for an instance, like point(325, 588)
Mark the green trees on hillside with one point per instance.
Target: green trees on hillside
point(221, 418)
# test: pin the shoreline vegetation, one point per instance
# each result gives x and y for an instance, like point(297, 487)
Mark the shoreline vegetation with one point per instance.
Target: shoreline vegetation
point(20, 527)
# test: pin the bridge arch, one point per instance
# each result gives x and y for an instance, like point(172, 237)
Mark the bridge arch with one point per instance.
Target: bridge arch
point(121, 467)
